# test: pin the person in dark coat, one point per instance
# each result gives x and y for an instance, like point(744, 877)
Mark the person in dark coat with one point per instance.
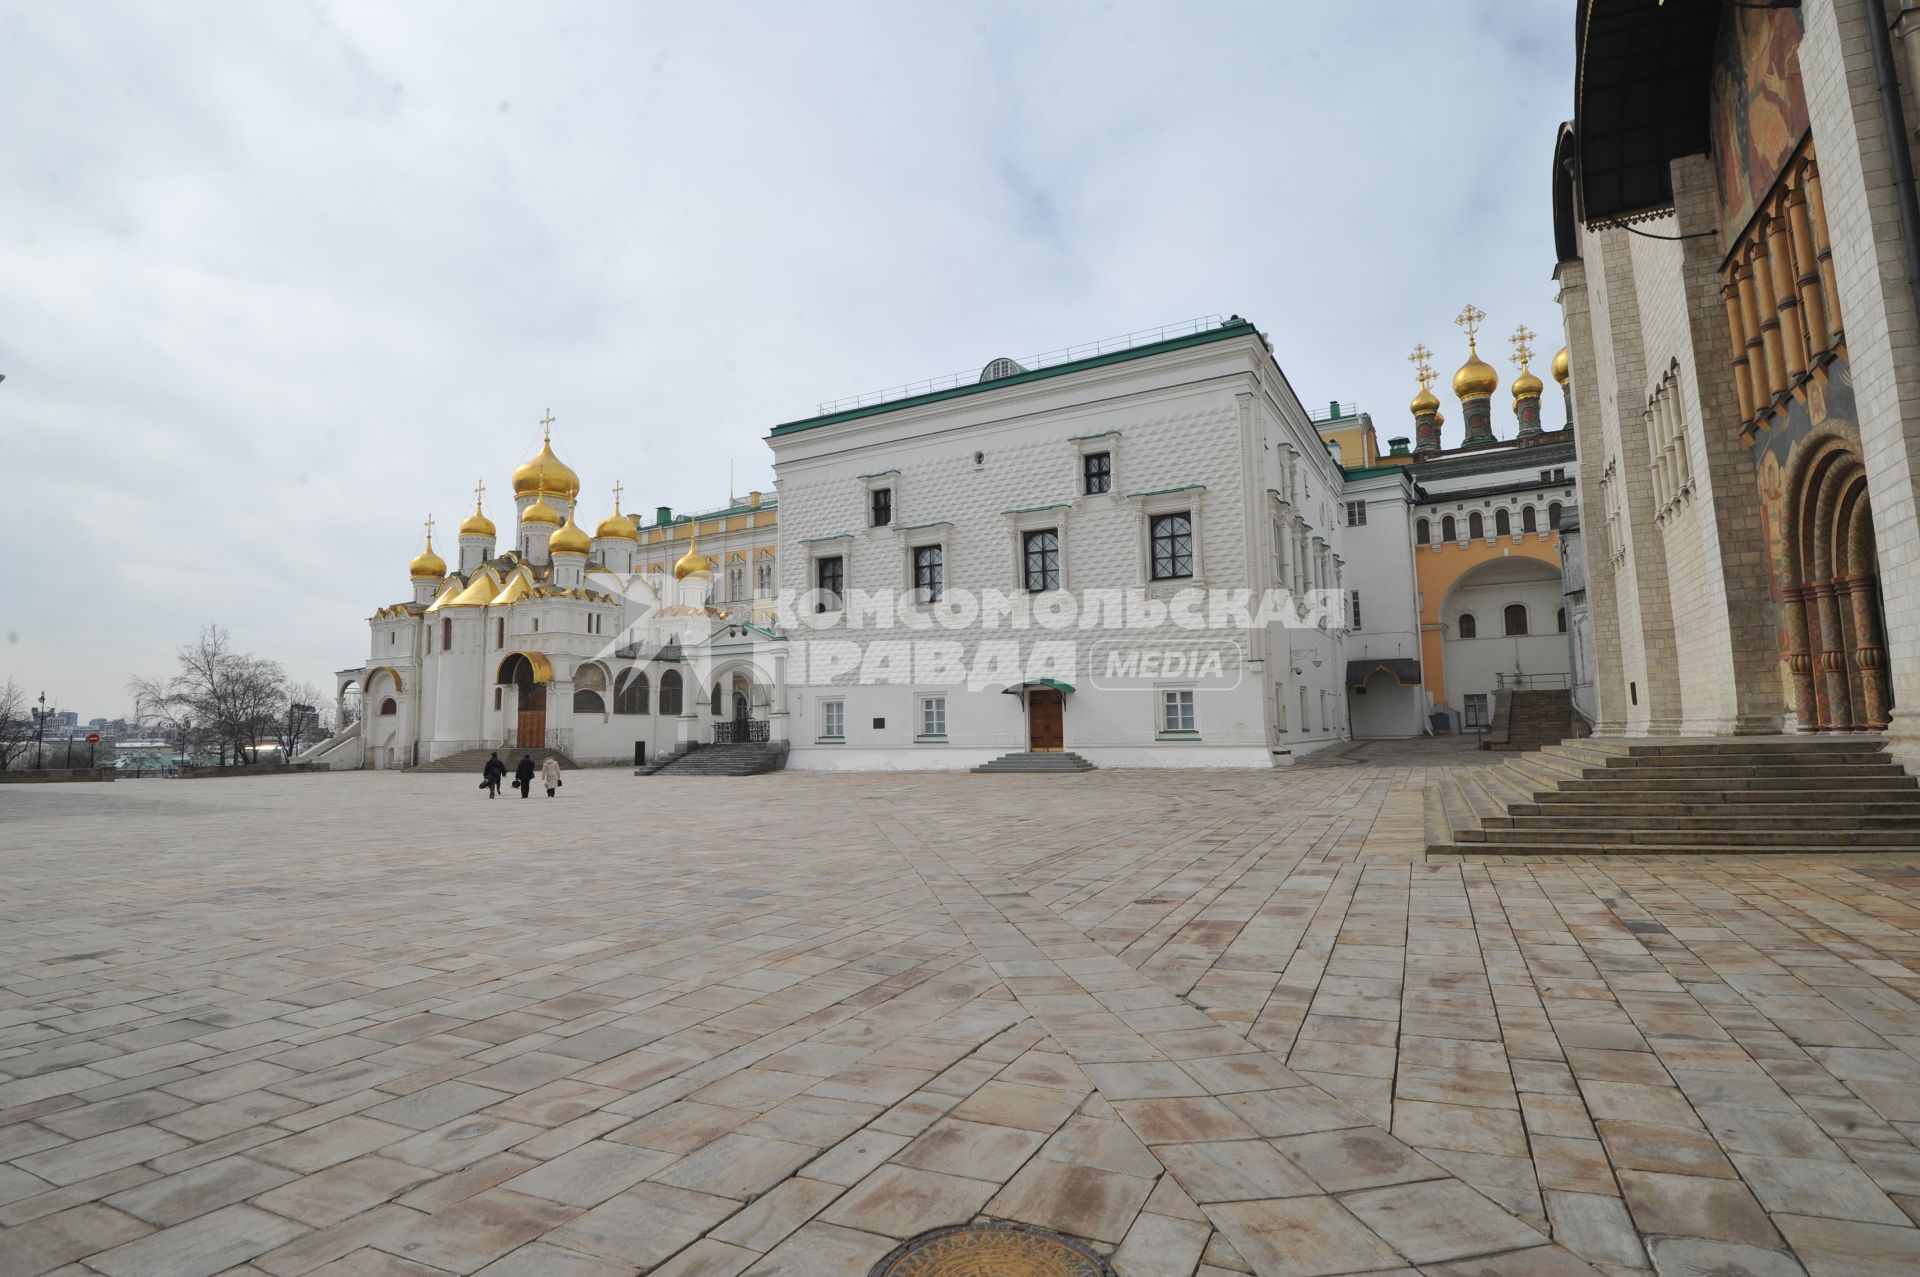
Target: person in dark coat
point(523, 775)
point(492, 774)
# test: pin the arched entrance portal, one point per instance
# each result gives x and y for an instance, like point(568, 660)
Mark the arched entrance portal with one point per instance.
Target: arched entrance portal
point(528, 676)
point(1835, 658)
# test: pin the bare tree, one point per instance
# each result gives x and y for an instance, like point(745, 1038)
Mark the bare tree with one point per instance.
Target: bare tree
point(16, 724)
point(237, 698)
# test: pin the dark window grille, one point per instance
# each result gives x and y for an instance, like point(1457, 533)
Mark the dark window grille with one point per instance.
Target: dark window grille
point(830, 576)
point(1042, 568)
point(882, 507)
point(928, 573)
point(1172, 546)
point(1097, 468)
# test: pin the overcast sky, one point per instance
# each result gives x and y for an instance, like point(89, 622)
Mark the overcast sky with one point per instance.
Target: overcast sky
point(279, 279)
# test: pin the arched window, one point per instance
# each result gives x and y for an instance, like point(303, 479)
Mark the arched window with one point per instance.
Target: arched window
point(1553, 515)
point(1502, 523)
point(1476, 526)
point(590, 690)
point(1529, 521)
point(670, 692)
point(1515, 616)
point(1469, 628)
point(1423, 531)
point(630, 693)
point(499, 633)
point(1447, 529)
point(1563, 620)
point(714, 701)
point(389, 706)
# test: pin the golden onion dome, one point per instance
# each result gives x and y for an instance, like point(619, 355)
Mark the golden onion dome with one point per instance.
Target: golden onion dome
point(541, 512)
point(1560, 370)
point(1476, 377)
point(426, 565)
point(1526, 385)
point(477, 524)
point(544, 472)
point(569, 538)
point(616, 527)
point(1425, 402)
point(691, 563)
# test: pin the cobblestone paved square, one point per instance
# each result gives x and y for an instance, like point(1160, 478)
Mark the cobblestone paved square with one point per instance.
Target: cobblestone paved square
point(1213, 1023)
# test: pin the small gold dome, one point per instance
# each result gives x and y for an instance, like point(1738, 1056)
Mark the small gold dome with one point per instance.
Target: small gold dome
point(692, 562)
point(616, 527)
point(541, 512)
point(569, 538)
point(544, 472)
point(1476, 377)
point(426, 565)
point(1560, 370)
point(1425, 402)
point(477, 524)
point(1526, 385)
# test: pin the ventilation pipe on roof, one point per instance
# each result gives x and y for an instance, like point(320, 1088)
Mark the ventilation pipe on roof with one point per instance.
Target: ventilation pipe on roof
point(1893, 119)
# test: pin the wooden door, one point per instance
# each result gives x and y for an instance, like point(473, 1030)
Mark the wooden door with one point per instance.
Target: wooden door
point(533, 715)
point(1045, 732)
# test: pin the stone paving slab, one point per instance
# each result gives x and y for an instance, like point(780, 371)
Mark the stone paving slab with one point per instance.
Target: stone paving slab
point(1210, 1023)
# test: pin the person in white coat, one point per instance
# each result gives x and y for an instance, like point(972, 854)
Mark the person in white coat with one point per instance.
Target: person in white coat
point(550, 774)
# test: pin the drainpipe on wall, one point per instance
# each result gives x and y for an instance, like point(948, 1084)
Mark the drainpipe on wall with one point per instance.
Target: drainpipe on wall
point(1894, 122)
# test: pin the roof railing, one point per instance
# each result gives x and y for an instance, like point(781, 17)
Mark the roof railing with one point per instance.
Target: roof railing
point(1334, 411)
point(1031, 363)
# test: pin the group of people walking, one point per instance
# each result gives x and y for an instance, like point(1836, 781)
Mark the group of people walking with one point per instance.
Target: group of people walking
point(496, 770)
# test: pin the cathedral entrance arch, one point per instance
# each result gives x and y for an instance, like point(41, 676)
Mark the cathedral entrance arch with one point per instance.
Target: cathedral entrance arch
point(528, 673)
point(1833, 642)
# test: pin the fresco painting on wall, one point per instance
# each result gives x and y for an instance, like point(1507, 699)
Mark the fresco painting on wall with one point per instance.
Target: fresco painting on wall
point(1759, 112)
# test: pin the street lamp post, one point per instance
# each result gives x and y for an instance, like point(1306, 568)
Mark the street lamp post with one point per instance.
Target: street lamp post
point(39, 733)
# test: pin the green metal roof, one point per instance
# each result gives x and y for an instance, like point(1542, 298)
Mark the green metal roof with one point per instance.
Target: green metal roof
point(1225, 332)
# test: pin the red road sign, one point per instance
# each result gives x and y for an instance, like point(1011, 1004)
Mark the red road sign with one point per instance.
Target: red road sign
point(93, 738)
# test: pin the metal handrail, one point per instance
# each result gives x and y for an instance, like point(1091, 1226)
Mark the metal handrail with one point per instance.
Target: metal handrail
point(1531, 682)
point(1065, 355)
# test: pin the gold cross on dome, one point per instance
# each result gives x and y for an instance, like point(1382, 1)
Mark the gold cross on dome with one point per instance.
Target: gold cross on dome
point(479, 491)
point(547, 423)
point(429, 529)
point(617, 490)
point(1421, 368)
point(1522, 340)
point(1469, 320)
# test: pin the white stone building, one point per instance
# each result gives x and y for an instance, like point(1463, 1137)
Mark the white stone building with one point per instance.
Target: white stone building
point(612, 647)
point(1744, 330)
point(1115, 482)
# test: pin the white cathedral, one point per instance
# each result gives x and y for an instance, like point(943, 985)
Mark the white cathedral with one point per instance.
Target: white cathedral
point(604, 648)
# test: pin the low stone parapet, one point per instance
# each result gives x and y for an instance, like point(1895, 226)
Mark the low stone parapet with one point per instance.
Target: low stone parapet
point(56, 775)
point(247, 769)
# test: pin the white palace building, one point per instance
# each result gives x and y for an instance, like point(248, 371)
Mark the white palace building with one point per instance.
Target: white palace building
point(1139, 553)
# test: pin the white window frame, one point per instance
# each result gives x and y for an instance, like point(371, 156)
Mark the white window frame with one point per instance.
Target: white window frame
point(914, 547)
point(923, 703)
point(1107, 442)
point(872, 483)
point(1358, 505)
point(836, 549)
point(1167, 698)
point(1186, 502)
point(1353, 610)
point(830, 709)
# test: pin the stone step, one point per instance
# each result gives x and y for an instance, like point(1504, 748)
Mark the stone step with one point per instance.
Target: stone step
point(1832, 839)
point(1583, 822)
point(1809, 744)
point(720, 760)
point(1756, 810)
point(1877, 779)
point(1619, 849)
point(1660, 762)
point(1035, 764)
point(1764, 796)
point(473, 760)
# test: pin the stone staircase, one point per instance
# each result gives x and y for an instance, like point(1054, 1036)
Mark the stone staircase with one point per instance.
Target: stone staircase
point(472, 760)
point(1034, 765)
point(753, 759)
point(1525, 720)
point(1728, 795)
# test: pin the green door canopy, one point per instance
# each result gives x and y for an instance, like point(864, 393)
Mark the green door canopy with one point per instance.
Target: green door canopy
point(1063, 688)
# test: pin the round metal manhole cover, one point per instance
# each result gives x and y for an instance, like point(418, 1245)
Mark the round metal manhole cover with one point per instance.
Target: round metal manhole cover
point(992, 1250)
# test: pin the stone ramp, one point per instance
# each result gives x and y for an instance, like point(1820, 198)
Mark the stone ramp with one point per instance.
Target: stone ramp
point(1731, 795)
